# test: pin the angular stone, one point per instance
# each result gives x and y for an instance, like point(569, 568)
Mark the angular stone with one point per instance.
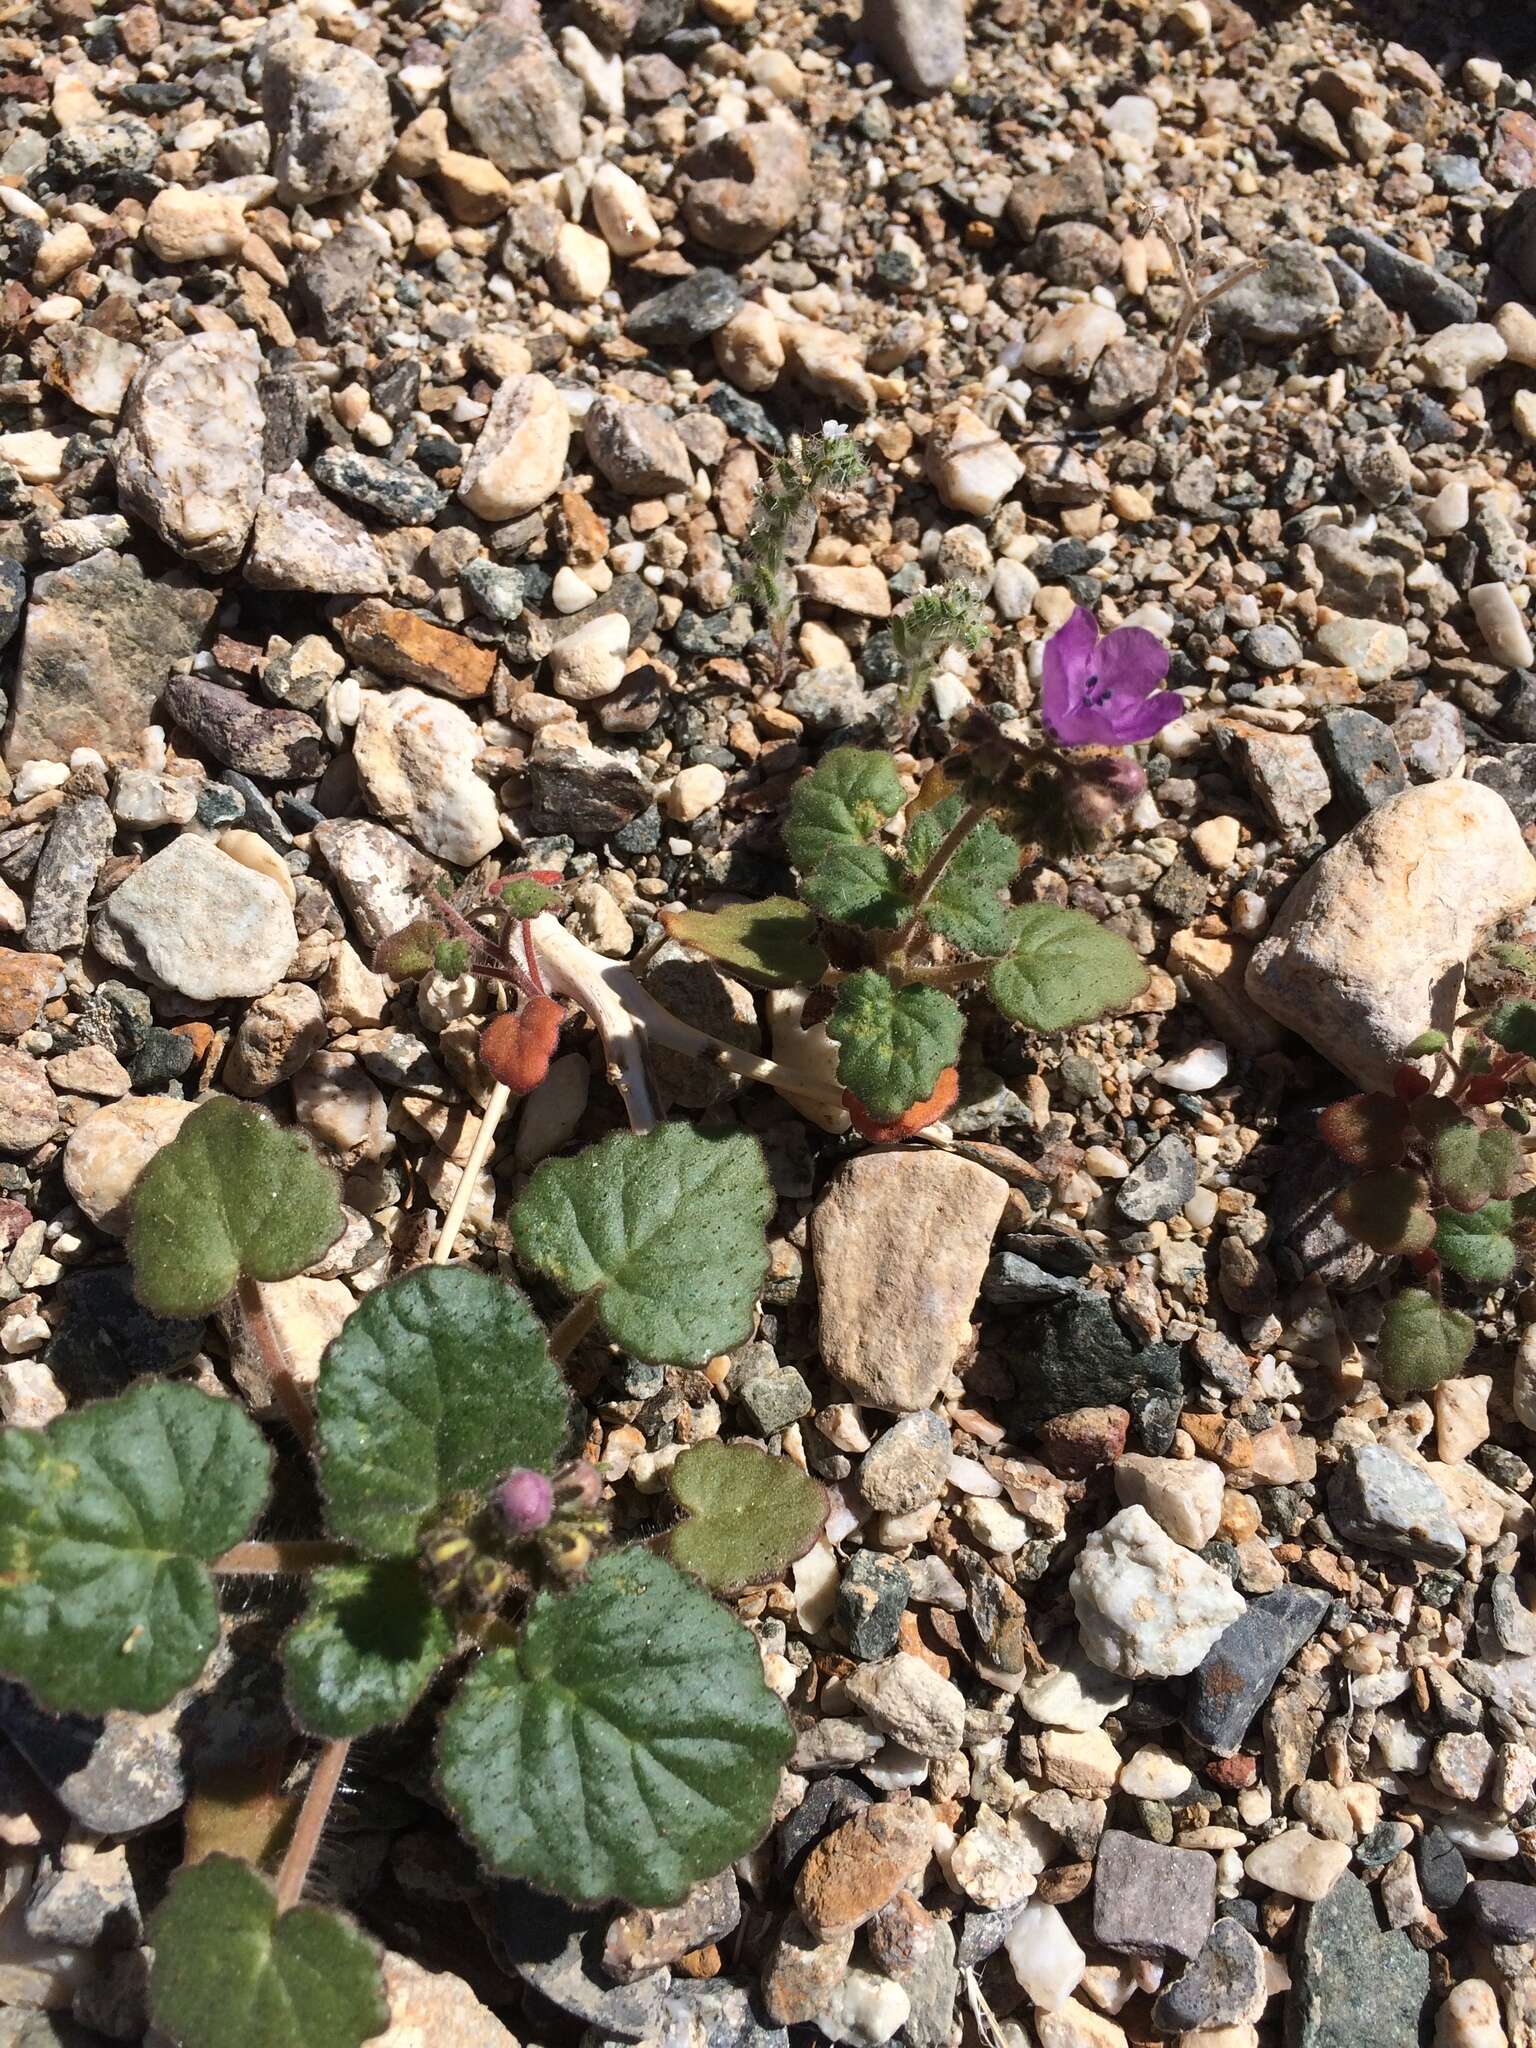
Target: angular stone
point(1224, 1986)
point(268, 740)
point(195, 921)
point(107, 1153)
point(638, 450)
point(1070, 191)
point(649, 1938)
point(1148, 1607)
point(116, 1776)
point(519, 104)
point(410, 649)
point(434, 2006)
point(382, 877)
point(100, 640)
point(907, 1700)
point(1381, 1499)
point(900, 1242)
point(1351, 1982)
point(907, 1466)
point(78, 843)
point(1152, 1901)
point(189, 451)
point(301, 541)
point(29, 1109)
point(328, 109)
point(558, 1950)
point(1503, 1911)
point(584, 790)
point(862, 1865)
point(1076, 1354)
point(686, 312)
point(872, 1596)
point(1368, 949)
point(920, 42)
point(1159, 1185)
point(415, 759)
point(1237, 1676)
point(333, 284)
point(1363, 760)
point(1290, 299)
point(1431, 299)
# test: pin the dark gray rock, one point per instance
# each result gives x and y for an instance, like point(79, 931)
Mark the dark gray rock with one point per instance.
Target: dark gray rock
point(1152, 1901)
point(871, 1599)
point(1363, 760)
point(335, 282)
point(1502, 1910)
point(776, 1399)
point(717, 2015)
point(1430, 299)
point(1512, 772)
point(78, 842)
point(1269, 648)
point(1442, 1870)
point(1238, 1675)
point(268, 740)
point(558, 1952)
point(1076, 1355)
point(1223, 1986)
point(1351, 1981)
point(496, 588)
point(397, 493)
point(688, 311)
point(98, 643)
point(13, 597)
point(113, 1777)
point(1515, 248)
point(1377, 1498)
point(828, 1803)
point(90, 1902)
point(582, 791)
point(1125, 377)
point(1012, 1281)
point(1289, 300)
point(637, 448)
point(920, 42)
point(1159, 1185)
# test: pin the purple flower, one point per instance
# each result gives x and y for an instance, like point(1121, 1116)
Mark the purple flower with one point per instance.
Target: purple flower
point(526, 1500)
point(1103, 693)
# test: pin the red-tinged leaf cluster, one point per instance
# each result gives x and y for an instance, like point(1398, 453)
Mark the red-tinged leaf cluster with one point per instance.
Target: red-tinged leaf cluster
point(1368, 1131)
point(518, 1045)
point(912, 1120)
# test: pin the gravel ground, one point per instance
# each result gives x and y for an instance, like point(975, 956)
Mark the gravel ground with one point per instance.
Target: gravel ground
point(383, 394)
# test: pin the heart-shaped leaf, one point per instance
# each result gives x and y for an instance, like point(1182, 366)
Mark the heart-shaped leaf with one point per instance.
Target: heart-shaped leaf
point(666, 1230)
point(230, 1971)
point(438, 1384)
point(1062, 969)
point(1473, 1165)
point(369, 1645)
point(231, 1197)
point(835, 817)
point(108, 1520)
point(1421, 1342)
point(627, 1747)
point(411, 952)
point(893, 1044)
point(772, 943)
point(1513, 1025)
point(1475, 1244)
point(750, 1515)
point(1387, 1210)
point(1366, 1130)
point(966, 905)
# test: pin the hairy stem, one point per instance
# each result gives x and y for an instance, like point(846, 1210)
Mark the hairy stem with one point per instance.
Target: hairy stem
point(286, 1391)
point(573, 1326)
point(310, 1825)
point(297, 1558)
point(950, 973)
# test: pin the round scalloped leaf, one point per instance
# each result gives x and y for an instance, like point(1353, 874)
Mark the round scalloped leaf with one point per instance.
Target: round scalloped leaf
point(1365, 1130)
point(1473, 1165)
point(1513, 1025)
point(231, 1196)
point(108, 1520)
point(1475, 1245)
point(750, 1515)
point(369, 1645)
point(438, 1384)
point(230, 1971)
point(1421, 1343)
point(1387, 1210)
point(627, 1747)
point(835, 818)
point(667, 1229)
point(893, 1043)
point(772, 943)
point(1061, 968)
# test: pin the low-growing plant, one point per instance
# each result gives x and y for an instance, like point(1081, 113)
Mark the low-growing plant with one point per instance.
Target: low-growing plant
point(605, 1727)
point(1439, 1161)
point(783, 524)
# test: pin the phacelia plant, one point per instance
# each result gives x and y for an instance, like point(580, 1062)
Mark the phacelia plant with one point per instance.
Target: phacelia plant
point(1439, 1162)
point(784, 524)
point(610, 1735)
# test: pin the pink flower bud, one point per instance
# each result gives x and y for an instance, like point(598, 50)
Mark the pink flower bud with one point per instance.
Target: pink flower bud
point(526, 1500)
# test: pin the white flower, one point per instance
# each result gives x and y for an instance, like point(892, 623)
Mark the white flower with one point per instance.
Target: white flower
point(833, 430)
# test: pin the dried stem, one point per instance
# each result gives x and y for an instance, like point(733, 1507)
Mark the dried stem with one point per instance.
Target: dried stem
point(463, 1194)
point(1198, 297)
point(310, 1825)
point(573, 1326)
point(950, 973)
point(297, 1558)
point(286, 1391)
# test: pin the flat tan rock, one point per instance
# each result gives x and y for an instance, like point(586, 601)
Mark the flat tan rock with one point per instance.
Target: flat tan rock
point(1370, 947)
point(901, 1240)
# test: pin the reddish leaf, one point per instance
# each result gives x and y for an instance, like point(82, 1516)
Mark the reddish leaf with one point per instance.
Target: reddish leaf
point(1366, 1130)
point(912, 1120)
point(518, 1045)
point(1488, 1087)
point(1408, 1084)
point(1387, 1210)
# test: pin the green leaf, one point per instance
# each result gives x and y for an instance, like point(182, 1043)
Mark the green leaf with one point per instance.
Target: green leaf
point(1513, 1025)
point(108, 1519)
point(1366, 1130)
point(773, 942)
point(1387, 1210)
point(438, 1384)
point(522, 896)
point(893, 1043)
point(627, 1747)
point(230, 1971)
point(966, 906)
point(369, 1645)
point(231, 1197)
point(1426, 1043)
point(452, 958)
point(1475, 1245)
point(667, 1229)
point(1061, 969)
point(1421, 1342)
point(411, 952)
point(1518, 959)
point(749, 1514)
point(1473, 1165)
point(835, 817)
